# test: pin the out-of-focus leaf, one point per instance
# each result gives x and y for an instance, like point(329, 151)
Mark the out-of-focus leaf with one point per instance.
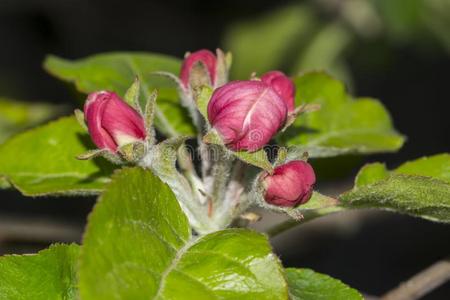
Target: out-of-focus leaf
point(324, 52)
point(42, 161)
point(117, 71)
point(263, 44)
point(401, 21)
point(342, 125)
point(16, 116)
point(419, 188)
point(49, 274)
point(305, 284)
point(437, 20)
point(418, 22)
point(138, 245)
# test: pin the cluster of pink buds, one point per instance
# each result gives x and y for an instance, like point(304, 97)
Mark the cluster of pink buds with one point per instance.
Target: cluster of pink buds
point(245, 115)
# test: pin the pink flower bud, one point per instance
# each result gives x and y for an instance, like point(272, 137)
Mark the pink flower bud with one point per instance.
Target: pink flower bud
point(204, 56)
point(291, 184)
point(246, 114)
point(283, 86)
point(111, 122)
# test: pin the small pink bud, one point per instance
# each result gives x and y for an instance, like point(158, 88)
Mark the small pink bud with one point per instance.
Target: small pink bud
point(283, 86)
point(204, 56)
point(111, 122)
point(246, 114)
point(291, 184)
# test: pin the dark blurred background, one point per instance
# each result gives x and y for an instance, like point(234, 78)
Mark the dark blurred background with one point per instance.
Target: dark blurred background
point(393, 50)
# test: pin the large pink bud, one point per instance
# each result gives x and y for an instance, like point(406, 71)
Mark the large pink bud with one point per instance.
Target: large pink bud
point(290, 184)
point(246, 114)
point(283, 85)
point(206, 57)
point(111, 122)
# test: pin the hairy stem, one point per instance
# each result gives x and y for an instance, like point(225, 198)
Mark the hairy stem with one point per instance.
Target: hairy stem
point(161, 160)
point(231, 205)
point(216, 173)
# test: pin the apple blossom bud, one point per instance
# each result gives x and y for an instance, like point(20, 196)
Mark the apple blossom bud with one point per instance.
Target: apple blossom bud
point(111, 122)
point(283, 85)
point(209, 61)
point(290, 184)
point(246, 114)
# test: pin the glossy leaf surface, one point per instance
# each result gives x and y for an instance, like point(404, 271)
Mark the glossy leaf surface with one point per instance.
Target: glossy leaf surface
point(49, 274)
point(42, 161)
point(138, 245)
point(305, 284)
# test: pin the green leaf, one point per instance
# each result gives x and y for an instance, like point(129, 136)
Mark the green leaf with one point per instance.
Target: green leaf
point(203, 99)
point(263, 44)
point(419, 188)
point(371, 173)
point(318, 201)
point(342, 125)
point(16, 116)
point(414, 195)
point(42, 161)
point(49, 274)
point(132, 95)
point(138, 245)
point(258, 158)
point(436, 166)
point(117, 71)
point(305, 284)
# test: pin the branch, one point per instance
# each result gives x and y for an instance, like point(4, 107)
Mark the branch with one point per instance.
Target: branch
point(421, 283)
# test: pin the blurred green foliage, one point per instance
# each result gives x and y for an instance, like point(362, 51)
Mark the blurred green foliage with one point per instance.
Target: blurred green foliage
point(317, 34)
point(261, 44)
point(416, 21)
point(16, 116)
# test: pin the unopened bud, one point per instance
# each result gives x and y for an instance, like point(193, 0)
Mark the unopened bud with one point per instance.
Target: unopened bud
point(111, 122)
point(291, 184)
